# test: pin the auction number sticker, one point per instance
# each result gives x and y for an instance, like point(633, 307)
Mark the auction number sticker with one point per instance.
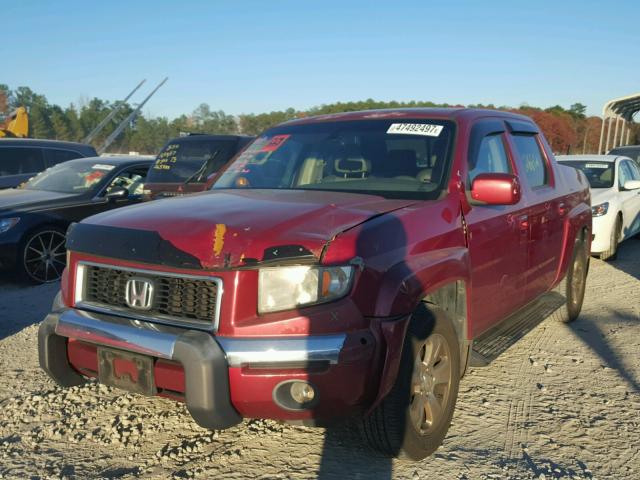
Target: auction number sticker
point(275, 143)
point(425, 129)
point(101, 166)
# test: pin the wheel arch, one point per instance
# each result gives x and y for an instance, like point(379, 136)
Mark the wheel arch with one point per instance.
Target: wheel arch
point(577, 227)
point(29, 233)
point(43, 223)
point(450, 299)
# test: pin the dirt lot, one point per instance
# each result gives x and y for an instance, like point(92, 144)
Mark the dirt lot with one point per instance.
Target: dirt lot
point(562, 403)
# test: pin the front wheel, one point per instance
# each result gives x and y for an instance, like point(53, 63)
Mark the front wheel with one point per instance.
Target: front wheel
point(43, 255)
point(413, 419)
point(616, 233)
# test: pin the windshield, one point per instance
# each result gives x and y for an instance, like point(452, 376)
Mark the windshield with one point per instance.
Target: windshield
point(599, 174)
point(632, 153)
point(70, 177)
point(190, 160)
point(394, 159)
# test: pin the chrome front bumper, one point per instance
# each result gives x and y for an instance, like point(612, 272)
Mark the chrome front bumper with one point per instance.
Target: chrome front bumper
point(205, 358)
point(159, 341)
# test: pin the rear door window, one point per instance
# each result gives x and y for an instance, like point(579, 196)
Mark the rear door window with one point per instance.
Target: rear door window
point(532, 162)
point(20, 160)
point(491, 158)
point(56, 156)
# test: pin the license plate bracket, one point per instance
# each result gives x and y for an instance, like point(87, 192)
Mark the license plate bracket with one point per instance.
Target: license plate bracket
point(126, 370)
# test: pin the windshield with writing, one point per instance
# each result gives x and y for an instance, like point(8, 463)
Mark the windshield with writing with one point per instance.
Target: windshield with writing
point(394, 159)
point(181, 161)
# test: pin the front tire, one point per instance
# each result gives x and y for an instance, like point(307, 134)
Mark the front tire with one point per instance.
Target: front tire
point(43, 255)
point(612, 252)
point(413, 419)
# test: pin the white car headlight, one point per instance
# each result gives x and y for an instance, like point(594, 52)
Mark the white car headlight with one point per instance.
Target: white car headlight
point(286, 288)
point(7, 223)
point(600, 210)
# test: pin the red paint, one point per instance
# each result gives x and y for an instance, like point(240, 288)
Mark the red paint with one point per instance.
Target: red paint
point(506, 251)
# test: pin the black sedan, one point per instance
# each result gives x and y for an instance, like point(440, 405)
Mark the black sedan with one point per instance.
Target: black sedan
point(34, 217)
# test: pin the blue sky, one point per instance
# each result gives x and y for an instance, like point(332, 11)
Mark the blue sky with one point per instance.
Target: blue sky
point(251, 56)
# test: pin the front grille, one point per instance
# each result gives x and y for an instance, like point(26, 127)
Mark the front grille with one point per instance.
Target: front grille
point(181, 298)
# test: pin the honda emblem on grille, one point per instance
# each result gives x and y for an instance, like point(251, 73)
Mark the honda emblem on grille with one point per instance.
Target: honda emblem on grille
point(138, 293)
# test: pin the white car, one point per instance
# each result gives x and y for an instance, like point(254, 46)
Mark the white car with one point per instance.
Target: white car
point(615, 199)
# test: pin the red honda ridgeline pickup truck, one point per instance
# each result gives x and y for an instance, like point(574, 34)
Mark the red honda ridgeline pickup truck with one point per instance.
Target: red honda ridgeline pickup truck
point(348, 265)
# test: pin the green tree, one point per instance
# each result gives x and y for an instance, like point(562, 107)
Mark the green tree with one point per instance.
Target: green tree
point(4, 99)
point(40, 125)
point(578, 110)
point(60, 124)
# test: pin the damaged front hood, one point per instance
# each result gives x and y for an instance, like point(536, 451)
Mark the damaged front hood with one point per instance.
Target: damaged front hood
point(229, 228)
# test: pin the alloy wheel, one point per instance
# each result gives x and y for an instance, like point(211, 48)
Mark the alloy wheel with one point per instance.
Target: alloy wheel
point(430, 384)
point(45, 256)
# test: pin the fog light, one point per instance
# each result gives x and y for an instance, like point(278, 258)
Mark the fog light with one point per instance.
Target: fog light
point(302, 392)
point(296, 395)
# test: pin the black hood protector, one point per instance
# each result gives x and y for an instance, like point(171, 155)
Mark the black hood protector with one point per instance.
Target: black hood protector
point(128, 244)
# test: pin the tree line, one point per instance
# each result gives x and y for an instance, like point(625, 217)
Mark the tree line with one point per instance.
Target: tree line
point(566, 129)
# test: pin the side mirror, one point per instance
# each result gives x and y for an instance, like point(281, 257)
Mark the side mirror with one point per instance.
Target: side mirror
point(631, 185)
point(118, 193)
point(496, 189)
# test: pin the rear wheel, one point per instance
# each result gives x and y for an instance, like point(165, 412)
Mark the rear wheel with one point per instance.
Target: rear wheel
point(612, 252)
point(43, 255)
point(574, 284)
point(413, 419)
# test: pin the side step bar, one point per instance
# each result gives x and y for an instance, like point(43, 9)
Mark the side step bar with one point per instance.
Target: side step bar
point(491, 344)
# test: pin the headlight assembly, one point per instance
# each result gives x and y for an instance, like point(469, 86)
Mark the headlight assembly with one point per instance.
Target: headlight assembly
point(600, 210)
point(8, 223)
point(286, 288)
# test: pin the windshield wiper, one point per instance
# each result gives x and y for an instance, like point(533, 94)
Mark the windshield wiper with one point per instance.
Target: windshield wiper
point(203, 168)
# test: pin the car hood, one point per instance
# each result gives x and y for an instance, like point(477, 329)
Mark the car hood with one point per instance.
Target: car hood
point(227, 228)
point(20, 199)
point(601, 195)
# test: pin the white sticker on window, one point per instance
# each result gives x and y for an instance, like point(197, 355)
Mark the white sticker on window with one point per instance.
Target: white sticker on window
point(102, 166)
point(416, 129)
point(597, 165)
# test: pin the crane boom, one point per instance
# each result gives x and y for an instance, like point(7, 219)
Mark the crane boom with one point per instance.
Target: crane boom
point(112, 114)
point(126, 121)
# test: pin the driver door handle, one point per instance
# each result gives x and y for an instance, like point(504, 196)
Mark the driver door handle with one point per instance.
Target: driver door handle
point(523, 223)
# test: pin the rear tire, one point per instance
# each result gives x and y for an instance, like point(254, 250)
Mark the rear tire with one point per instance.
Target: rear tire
point(612, 252)
point(573, 286)
point(413, 419)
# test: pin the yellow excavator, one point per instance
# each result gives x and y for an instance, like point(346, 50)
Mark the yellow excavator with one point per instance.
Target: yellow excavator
point(16, 125)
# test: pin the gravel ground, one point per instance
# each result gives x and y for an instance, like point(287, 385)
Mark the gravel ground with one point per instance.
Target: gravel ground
point(561, 403)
